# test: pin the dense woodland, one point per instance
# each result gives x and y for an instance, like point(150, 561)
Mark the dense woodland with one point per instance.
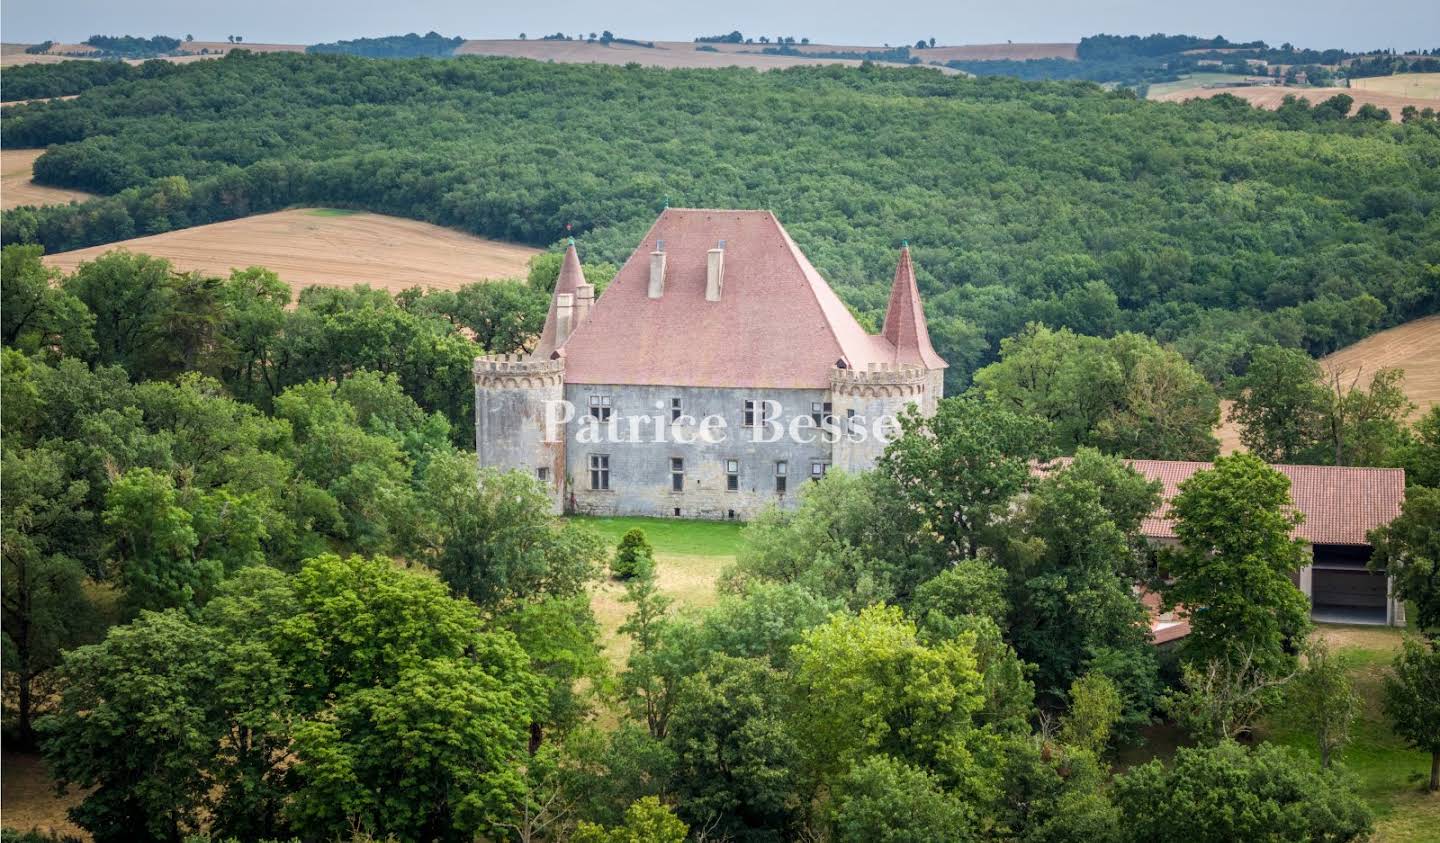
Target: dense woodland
point(255, 586)
point(1211, 226)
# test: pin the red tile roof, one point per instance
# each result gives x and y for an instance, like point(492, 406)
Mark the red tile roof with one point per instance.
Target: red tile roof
point(1340, 503)
point(777, 324)
point(905, 327)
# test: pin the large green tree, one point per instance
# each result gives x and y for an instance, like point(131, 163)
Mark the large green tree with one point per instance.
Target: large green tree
point(1412, 700)
point(1408, 550)
point(1232, 572)
point(960, 467)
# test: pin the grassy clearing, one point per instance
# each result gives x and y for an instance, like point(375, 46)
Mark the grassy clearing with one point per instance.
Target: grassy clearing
point(1390, 775)
point(689, 556)
point(332, 212)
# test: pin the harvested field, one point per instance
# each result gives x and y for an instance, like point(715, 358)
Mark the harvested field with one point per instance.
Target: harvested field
point(14, 54)
point(17, 188)
point(311, 246)
point(1271, 96)
point(1401, 84)
point(1413, 347)
point(667, 54)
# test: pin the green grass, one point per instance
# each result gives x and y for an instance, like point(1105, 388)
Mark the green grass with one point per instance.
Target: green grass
point(674, 536)
point(1389, 775)
point(332, 212)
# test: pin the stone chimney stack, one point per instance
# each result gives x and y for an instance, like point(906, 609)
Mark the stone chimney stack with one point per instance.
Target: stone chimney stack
point(657, 270)
point(715, 272)
point(564, 316)
point(584, 300)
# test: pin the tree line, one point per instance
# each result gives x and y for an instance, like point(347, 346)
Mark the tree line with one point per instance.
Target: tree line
point(1211, 226)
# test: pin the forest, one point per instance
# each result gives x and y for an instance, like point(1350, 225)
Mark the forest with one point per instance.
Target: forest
point(1211, 226)
point(256, 588)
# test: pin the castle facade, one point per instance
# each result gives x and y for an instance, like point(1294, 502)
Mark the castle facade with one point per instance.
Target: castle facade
point(716, 374)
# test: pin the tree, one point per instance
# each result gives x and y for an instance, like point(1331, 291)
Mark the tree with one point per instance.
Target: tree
point(433, 756)
point(972, 587)
point(646, 821)
point(736, 758)
point(46, 610)
point(883, 799)
point(493, 538)
point(1412, 700)
point(633, 555)
point(961, 467)
point(1408, 551)
point(1279, 404)
point(1094, 710)
point(853, 537)
point(1224, 793)
point(870, 686)
point(135, 727)
point(1232, 570)
point(649, 682)
point(1222, 698)
point(128, 294)
point(1125, 395)
point(35, 313)
point(1363, 427)
point(154, 544)
point(1323, 700)
point(1073, 567)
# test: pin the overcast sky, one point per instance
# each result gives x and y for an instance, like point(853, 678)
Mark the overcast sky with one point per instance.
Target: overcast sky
point(1401, 24)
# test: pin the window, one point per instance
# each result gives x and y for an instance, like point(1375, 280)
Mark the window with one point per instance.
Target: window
point(732, 475)
point(749, 412)
point(818, 469)
point(782, 469)
point(600, 408)
point(542, 474)
point(677, 409)
point(677, 474)
point(849, 421)
point(820, 413)
point(600, 472)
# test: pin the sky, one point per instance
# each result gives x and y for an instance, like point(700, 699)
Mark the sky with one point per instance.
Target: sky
point(1399, 24)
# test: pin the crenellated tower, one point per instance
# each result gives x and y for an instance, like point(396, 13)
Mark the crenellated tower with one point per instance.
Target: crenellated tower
point(518, 405)
point(864, 398)
point(520, 415)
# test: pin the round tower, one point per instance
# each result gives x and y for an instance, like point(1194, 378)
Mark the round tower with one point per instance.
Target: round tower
point(520, 418)
point(872, 399)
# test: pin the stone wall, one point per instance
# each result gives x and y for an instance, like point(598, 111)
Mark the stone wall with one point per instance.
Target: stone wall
point(640, 467)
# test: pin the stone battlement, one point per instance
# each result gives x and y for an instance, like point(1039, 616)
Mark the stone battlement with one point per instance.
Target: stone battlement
point(880, 380)
point(517, 371)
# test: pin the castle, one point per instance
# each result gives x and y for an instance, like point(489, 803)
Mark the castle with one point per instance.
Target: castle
point(717, 373)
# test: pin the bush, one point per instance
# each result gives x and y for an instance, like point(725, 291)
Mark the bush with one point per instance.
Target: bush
point(633, 556)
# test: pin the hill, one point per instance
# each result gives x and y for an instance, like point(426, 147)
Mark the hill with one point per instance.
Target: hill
point(311, 246)
point(666, 54)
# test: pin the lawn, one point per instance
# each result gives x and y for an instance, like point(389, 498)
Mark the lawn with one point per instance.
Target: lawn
point(1390, 775)
point(689, 556)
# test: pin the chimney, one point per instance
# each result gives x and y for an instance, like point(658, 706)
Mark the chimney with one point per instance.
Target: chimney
point(584, 300)
point(564, 316)
point(657, 270)
point(715, 272)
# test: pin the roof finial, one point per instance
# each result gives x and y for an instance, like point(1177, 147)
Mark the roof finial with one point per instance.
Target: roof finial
point(904, 244)
point(667, 200)
point(570, 241)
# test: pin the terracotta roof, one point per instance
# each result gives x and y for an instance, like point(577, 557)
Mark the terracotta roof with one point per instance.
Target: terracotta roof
point(569, 280)
point(905, 327)
point(1340, 503)
point(777, 324)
